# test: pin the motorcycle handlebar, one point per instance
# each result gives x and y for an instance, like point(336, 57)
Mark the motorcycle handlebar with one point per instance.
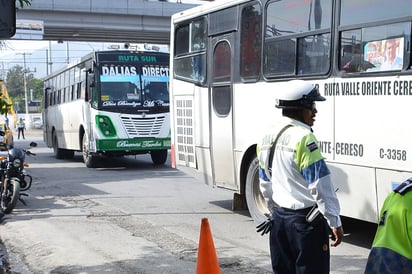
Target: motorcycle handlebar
point(28, 152)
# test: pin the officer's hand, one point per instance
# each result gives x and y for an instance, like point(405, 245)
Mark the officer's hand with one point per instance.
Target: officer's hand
point(337, 236)
point(265, 226)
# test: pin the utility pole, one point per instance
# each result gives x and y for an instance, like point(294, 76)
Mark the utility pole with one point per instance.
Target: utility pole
point(50, 59)
point(26, 103)
point(67, 53)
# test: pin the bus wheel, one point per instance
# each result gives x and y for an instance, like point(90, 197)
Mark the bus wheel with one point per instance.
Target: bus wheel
point(254, 198)
point(58, 152)
point(159, 157)
point(88, 159)
point(69, 154)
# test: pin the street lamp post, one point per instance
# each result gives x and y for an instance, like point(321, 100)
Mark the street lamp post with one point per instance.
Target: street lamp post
point(50, 62)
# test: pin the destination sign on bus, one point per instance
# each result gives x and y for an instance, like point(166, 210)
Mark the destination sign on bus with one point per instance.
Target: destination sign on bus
point(119, 71)
point(132, 71)
point(369, 88)
point(135, 58)
point(126, 57)
point(155, 71)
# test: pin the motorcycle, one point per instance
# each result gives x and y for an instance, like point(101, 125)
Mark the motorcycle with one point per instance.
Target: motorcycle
point(13, 177)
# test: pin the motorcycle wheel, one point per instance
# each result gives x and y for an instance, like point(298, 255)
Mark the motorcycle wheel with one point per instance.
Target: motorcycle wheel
point(9, 203)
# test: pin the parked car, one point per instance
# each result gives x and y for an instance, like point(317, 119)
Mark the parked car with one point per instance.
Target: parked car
point(7, 139)
point(36, 122)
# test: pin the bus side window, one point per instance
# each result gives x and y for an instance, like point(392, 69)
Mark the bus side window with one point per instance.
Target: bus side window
point(350, 59)
point(190, 51)
point(78, 90)
point(250, 42)
point(375, 49)
point(313, 54)
point(279, 57)
point(197, 68)
point(46, 97)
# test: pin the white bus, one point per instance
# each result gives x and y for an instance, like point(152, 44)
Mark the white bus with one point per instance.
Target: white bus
point(229, 58)
point(111, 103)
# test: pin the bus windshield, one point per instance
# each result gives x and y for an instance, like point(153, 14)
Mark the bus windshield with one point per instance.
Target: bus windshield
point(120, 91)
point(128, 87)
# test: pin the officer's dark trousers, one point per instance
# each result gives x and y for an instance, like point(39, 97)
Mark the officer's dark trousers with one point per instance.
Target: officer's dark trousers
point(297, 246)
point(20, 131)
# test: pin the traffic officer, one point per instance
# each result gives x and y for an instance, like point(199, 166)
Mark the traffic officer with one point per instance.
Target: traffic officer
point(392, 247)
point(296, 184)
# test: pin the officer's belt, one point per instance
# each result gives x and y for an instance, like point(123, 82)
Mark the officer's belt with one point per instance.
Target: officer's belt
point(301, 211)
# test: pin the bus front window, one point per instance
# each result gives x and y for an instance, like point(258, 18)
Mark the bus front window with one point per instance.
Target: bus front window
point(155, 86)
point(119, 91)
point(120, 85)
point(155, 94)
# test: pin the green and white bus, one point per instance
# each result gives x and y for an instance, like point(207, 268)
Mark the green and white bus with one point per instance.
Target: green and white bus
point(111, 103)
point(230, 58)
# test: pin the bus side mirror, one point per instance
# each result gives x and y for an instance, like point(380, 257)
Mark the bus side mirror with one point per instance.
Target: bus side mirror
point(7, 18)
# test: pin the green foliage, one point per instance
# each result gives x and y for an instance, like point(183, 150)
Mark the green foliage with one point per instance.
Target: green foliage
point(15, 82)
point(15, 86)
point(4, 106)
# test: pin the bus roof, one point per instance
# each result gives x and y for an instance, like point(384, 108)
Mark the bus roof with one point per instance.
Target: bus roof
point(205, 9)
point(91, 55)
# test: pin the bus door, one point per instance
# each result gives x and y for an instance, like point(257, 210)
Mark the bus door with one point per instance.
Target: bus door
point(221, 120)
point(90, 90)
point(45, 116)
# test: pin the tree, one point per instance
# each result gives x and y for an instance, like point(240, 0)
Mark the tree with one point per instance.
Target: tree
point(15, 82)
point(4, 106)
point(15, 85)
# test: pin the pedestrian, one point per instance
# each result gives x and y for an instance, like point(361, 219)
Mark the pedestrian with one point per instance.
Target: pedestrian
point(296, 185)
point(21, 126)
point(391, 250)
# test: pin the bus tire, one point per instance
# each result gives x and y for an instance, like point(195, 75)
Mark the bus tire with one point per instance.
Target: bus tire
point(58, 152)
point(69, 154)
point(159, 157)
point(254, 198)
point(88, 158)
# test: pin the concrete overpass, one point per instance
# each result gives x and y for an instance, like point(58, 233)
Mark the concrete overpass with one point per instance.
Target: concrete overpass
point(137, 21)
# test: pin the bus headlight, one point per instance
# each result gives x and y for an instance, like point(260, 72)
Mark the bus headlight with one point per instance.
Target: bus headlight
point(105, 125)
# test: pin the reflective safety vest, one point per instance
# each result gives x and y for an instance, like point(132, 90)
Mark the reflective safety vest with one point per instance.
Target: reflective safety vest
point(293, 173)
point(20, 124)
point(392, 247)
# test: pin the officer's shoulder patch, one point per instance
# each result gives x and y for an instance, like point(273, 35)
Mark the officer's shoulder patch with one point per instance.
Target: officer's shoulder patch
point(404, 187)
point(312, 146)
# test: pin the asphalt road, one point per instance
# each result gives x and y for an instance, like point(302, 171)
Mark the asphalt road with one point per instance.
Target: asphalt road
point(128, 216)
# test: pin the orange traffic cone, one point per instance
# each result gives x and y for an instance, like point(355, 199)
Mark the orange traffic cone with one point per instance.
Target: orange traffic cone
point(207, 262)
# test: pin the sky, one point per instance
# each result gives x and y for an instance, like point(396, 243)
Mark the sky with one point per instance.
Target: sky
point(38, 53)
